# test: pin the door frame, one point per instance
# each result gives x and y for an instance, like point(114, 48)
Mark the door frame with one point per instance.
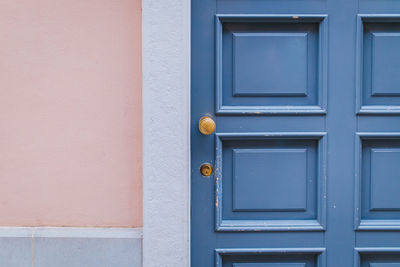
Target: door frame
point(166, 132)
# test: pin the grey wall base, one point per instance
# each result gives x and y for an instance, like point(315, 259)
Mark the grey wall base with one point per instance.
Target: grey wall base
point(70, 247)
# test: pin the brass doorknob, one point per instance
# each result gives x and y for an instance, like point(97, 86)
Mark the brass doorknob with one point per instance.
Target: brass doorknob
point(207, 125)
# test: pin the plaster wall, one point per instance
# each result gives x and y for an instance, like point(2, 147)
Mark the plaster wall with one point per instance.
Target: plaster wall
point(70, 113)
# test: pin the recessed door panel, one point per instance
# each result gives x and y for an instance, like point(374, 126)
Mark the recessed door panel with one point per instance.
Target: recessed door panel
point(377, 257)
point(269, 64)
point(379, 182)
point(263, 60)
point(270, 182)
point(379, 39)
point(278, 257)
point(263, 180)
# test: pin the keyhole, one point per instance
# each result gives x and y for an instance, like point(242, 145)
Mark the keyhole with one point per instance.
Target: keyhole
point(206, 169)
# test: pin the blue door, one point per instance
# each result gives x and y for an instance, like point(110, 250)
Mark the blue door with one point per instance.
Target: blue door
point(295, 131)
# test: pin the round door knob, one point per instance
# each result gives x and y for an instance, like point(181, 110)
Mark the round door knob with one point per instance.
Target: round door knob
point(206, 125)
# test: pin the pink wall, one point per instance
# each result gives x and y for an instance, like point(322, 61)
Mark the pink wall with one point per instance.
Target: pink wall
point(70, 113)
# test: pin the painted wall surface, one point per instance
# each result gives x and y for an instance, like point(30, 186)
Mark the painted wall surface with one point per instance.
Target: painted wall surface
point(166, 120)
point(70, 113)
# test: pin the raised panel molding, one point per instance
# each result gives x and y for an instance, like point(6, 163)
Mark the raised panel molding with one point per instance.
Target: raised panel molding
point(263, 158)
point(377, 257)
point(377, 181)
point(268, 264)
point(318, 254)
point(378, 64)
point(389, 264)
point(260, 83)
point(385, 64)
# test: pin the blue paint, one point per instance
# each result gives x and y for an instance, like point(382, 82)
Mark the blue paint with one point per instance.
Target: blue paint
point(277, 257)
point(246, 82)
point(283, 264)
point(385, 170)
point(253, 75)
point(377, 257)
point(306, 99)
point(312, 218)
point(393, 264)
point(377, 181)
point(262, 181)
point(378, 64)
point(385, 63)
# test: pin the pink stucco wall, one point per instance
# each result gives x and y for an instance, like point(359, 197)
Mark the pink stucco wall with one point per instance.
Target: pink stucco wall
point(70, 113)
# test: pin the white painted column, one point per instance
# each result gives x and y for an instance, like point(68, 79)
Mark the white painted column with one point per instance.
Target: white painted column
point(166, 134)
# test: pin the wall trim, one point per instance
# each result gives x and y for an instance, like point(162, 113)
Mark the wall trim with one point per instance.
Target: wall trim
point(70, 246)
point(166, 133)
point(71, 232)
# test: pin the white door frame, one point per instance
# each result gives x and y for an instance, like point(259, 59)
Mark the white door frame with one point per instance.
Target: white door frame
point(166, 133)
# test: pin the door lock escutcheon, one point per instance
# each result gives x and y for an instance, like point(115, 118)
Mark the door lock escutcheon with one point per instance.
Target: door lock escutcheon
point(206, 169)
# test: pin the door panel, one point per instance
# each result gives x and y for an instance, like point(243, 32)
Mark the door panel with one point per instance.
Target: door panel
point(268, 64)
point(306, 99)
point(270, 181)
point(269, 258)
point(377, 257)
point(378, 205)
point(378, 64)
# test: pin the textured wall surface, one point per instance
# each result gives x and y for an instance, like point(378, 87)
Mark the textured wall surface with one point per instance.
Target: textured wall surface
point(70, 113)
point(67, 247)
point(166, 115)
